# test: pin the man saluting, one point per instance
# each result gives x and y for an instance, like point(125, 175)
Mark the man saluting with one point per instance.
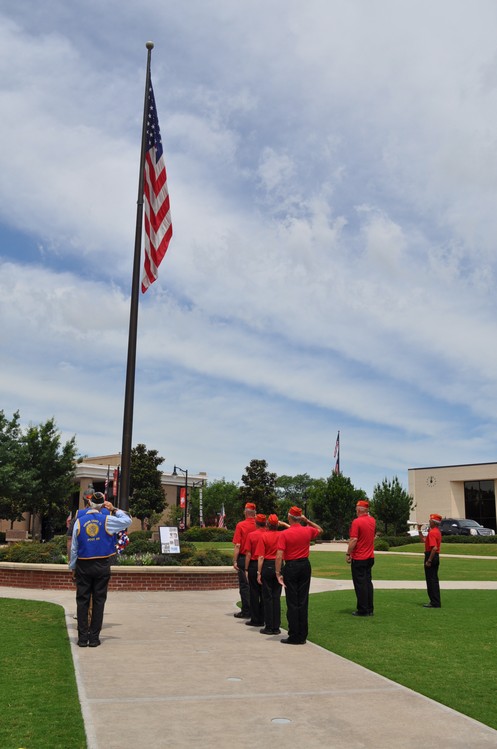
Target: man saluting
point(293, 547)
point(92, 549)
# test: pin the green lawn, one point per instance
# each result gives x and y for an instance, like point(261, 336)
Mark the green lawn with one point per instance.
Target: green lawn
point(448, 654)
point(39, 704)
point(475, 550)
point(331, 564)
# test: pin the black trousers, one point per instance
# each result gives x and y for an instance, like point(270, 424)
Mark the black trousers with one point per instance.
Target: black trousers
point(256, 604)
point(297, 578)
point(363, 584)
point(243, 585)
point(271, 595)
point(432, 584)
point(92, 581)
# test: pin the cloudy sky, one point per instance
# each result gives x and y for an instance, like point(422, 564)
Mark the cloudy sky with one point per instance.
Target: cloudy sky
point(332, 167)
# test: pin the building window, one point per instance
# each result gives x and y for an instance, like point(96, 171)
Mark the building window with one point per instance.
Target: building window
point(479, 500)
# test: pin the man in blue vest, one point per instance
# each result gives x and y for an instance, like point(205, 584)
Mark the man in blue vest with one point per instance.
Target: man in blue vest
point(92, 550)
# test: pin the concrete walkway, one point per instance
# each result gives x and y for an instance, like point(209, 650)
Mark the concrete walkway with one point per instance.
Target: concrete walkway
point(176, 670)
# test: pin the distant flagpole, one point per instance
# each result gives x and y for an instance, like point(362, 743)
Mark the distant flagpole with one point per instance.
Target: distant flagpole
point(336, 455)
point(129, 394)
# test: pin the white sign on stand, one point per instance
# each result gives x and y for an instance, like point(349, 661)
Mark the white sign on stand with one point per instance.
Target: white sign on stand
point(169, 540)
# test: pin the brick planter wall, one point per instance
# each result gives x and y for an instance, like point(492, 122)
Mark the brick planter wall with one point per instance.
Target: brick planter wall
point(58, 577)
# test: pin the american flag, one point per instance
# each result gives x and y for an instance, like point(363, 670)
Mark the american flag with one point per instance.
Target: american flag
point(158, 227)
point(336, 455)
point(222, 518)
point(337, 446)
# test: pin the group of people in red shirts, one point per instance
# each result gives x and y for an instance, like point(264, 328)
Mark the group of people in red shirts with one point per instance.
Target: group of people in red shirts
point(261, 548)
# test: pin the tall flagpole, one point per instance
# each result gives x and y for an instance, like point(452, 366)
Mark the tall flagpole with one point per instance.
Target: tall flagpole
point(124, 484)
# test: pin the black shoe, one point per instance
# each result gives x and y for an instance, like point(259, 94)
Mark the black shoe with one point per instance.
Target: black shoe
point(267, 631)
point(241, 615)
point(430, 606)
point(94, 643)
point(83, 643)
point(276, 631)
point(358, 613)
point(250, 623)
point(288, 641)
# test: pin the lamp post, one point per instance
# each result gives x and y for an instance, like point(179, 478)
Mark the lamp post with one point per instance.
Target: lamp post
point(175, 473)
point(200, 484)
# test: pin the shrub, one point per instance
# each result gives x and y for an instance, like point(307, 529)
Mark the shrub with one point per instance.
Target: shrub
point(210, 533)
point(401, 540)
point(135, 535)
point(208, 558)
point(380, 544)
point(469, 539)
point(141, 546)
point(167, 560)
point(53, 552)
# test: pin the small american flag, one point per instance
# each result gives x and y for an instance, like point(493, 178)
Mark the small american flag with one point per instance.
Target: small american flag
point(158, 227)
point(222, 518)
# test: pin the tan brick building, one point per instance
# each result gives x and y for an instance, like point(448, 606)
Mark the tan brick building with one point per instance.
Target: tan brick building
point(460, 491)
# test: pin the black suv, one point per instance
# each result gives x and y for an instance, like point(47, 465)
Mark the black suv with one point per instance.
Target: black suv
point(463, 527)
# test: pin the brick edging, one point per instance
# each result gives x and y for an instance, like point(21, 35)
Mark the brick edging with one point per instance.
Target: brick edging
point(58, 577)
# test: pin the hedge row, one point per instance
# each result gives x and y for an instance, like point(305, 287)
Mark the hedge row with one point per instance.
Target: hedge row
point(400, 540)
point(195, 533)
point(469, 539)
point(52, 552)
point(140, 551)
point(210, 533)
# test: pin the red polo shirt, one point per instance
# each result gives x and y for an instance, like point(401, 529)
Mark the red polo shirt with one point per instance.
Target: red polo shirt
point(253, 540)
point(363, 528)
point(295, 541)
point(243, 528)
point(267, 545)
point(433, 539)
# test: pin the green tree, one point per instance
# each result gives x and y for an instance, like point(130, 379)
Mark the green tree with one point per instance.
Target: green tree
point(15, 472)
point(52, 475)
point(293, 490)
point(147, 498)
point(333, 502)
point(392, 505)
point(215, 495)
point(259, 486)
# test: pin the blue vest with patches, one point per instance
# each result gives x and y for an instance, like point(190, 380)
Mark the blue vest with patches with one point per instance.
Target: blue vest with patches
point(94, 541)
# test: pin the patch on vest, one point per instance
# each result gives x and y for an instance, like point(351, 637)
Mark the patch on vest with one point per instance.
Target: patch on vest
point(92, 529)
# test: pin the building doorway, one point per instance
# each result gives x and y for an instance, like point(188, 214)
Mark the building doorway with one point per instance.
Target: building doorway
point(479, 502)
